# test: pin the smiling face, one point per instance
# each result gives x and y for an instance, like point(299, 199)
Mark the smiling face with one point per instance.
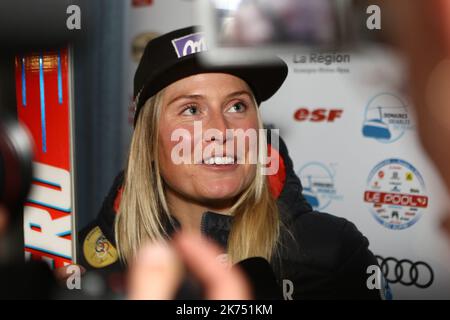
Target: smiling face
point(210, 101)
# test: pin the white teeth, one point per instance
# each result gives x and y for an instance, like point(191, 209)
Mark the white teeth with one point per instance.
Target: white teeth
point(219, 160)
point(230, 160)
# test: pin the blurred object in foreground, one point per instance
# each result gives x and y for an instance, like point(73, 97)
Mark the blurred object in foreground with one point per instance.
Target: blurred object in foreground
point(243, 31)
point(15, 164)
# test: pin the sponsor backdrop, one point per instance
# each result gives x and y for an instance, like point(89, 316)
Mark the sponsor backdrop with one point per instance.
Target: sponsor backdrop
point(352, 136)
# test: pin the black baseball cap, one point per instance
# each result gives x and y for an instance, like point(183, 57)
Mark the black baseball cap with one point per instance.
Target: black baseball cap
point(177, 55)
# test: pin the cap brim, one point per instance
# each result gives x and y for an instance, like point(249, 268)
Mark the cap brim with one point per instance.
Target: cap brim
point(264, 80)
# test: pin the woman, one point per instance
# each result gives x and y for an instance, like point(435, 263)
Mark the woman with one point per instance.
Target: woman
point(224, 194)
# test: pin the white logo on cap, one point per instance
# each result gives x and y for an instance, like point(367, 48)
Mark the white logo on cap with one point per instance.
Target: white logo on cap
point(192, 43)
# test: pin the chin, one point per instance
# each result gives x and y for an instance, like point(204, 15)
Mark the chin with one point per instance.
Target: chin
point(221, 191)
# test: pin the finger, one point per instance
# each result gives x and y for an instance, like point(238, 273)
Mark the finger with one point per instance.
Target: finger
point(219, 281)
point(156, 274)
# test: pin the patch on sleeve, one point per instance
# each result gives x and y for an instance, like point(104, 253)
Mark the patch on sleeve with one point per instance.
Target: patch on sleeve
point(98, 251)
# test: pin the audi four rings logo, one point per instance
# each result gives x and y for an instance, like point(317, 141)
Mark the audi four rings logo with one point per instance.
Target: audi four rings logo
point(406, 272)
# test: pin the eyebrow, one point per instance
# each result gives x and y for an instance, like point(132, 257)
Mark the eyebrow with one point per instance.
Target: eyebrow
point(199, 96)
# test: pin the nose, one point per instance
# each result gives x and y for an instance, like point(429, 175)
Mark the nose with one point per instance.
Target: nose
point(216, 128)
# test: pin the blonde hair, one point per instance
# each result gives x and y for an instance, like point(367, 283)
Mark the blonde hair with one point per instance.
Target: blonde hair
point(143, 211)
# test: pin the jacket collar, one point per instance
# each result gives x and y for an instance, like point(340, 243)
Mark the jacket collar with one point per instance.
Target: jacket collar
point(215, 226)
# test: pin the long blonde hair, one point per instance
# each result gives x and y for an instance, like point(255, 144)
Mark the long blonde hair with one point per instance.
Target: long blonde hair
point(143, 209)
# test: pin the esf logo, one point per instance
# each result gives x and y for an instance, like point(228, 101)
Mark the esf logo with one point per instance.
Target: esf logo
point(318, 115)
point(319, 184)
point(386, 118)
point(389, 197)
point(406, 272)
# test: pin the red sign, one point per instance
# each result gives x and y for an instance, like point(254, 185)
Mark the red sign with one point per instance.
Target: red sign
point(397, 199)
point(142, 3)
point(43, 106)
point(318, 115)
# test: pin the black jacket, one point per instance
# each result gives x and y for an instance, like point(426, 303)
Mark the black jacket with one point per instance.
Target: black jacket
point(327, 257)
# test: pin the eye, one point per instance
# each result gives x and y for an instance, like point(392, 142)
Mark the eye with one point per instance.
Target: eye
point(238, 107)
point(191, 110)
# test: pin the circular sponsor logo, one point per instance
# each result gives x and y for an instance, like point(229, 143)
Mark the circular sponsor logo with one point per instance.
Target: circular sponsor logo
point(318, 185)
point(396, 194)
point(386, 118)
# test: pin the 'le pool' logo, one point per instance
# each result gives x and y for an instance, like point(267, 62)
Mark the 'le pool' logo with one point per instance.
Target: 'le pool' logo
point(318, 185)
point(396, 194)
point(386, 118)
